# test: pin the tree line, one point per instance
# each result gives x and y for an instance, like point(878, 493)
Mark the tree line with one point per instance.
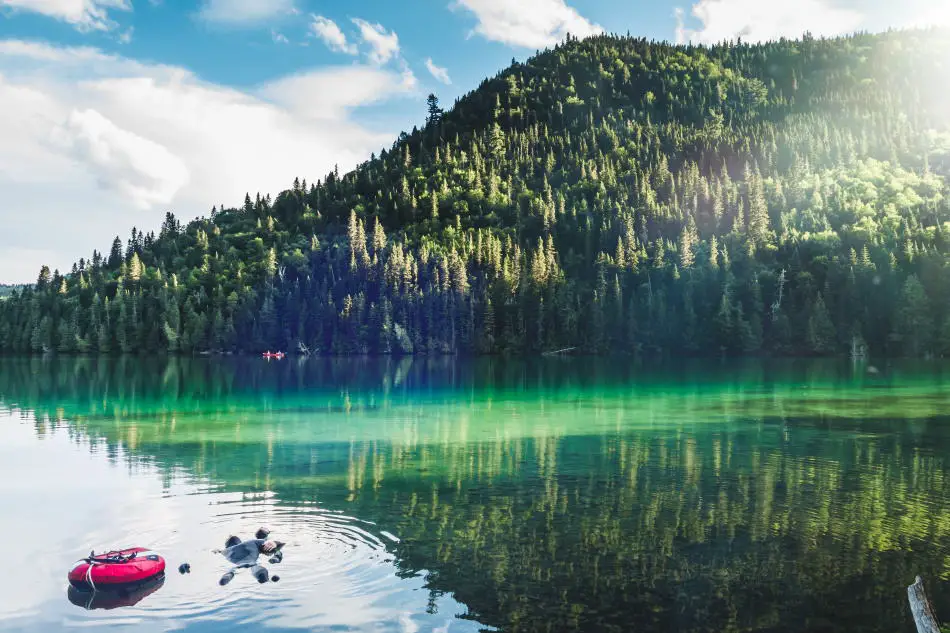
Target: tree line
point(612, 194)
point(7, 289)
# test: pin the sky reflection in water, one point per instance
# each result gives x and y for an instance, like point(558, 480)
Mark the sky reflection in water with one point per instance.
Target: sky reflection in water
point(71, 499)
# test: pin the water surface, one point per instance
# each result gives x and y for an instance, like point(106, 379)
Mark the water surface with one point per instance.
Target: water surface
point(443, 495)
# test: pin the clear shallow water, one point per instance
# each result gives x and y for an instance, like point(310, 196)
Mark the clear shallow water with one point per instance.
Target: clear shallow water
point(459, 496)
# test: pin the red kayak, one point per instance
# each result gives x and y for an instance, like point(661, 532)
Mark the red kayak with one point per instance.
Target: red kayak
point(116, 569)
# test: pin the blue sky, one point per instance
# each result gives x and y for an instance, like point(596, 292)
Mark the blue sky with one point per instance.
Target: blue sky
point(116, 111)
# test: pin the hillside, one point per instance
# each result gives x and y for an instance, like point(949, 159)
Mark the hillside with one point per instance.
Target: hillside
point(613, 194)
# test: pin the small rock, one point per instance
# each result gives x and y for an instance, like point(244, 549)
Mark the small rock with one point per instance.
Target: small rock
point(275, 578)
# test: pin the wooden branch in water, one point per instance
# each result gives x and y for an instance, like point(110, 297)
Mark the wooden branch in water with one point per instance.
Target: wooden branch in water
point(920, 607)
point(559, 351)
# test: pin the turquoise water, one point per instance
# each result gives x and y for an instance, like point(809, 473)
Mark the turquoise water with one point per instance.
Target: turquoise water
point(448, 495)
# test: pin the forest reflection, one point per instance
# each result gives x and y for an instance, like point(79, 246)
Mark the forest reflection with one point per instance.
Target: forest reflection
point(570, 494)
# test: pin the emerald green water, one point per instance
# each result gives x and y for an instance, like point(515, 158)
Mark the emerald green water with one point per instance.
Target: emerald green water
point(447, 495)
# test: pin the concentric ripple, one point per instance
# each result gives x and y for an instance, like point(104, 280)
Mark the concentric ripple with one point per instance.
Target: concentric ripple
point(336, 574)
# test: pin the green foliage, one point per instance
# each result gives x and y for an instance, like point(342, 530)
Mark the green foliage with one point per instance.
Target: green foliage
point(612, 194)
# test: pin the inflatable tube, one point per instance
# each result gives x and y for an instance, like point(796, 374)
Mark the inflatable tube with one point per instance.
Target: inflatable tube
point(122, 568)
point(115, 598)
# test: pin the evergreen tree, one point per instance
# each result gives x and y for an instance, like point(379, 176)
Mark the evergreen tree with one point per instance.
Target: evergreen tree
point(914, 327)
point(820, 333)
point(434, 111)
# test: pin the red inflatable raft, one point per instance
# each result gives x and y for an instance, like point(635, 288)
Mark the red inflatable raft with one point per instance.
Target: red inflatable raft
point(113, 570)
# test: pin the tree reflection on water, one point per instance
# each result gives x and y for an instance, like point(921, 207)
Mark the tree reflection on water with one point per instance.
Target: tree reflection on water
point(566, 495)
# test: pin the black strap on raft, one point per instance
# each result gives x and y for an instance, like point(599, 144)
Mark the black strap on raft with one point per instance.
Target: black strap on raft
point(113, 558)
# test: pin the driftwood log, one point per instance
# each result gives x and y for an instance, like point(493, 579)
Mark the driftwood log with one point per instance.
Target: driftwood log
point(559, 351)
point(920, 607)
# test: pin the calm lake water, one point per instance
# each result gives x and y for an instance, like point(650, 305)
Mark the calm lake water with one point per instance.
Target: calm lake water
point(443, 495)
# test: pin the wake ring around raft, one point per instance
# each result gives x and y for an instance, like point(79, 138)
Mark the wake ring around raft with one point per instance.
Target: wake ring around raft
point(116, 570)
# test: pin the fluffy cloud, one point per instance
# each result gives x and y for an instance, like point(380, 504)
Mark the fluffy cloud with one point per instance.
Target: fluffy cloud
point(85, 15)
point(329, 32)
point(96, 143)
point(762, 20)
point(306, 93)
point(528, 23)
point(441, 74)
point(35, 51)
point(144, 172)
point(383, 45)
point(922, 13)
point(245, 12)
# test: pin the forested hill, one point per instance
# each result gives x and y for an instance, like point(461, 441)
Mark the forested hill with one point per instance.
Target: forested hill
point(612, 194)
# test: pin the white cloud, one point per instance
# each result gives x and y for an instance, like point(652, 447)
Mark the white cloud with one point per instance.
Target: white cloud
point(35, 51)
point(762, 20)
point(279, 37)
point(327, 30)
point(306, 93)
point(925, 14)
point(85, 15)
point(144, 172)
point(97, 143)
point(383, 45)
point(409, 81)
point(441, 74)
point(125, 37)
point(528, 23)
point(245, 12)
point(680, 33)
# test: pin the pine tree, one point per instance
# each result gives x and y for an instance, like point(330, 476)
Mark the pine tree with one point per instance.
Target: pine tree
point(914, 327)
point(434, 117)
point(135, 267)
point(820, 333)
point(725, 328)
point(115, 255)
point(758, 213)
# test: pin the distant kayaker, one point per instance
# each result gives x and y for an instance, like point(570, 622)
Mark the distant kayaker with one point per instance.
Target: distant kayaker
point(244, 555)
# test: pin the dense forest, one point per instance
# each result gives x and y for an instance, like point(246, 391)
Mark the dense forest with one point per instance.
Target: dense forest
point(612, 194)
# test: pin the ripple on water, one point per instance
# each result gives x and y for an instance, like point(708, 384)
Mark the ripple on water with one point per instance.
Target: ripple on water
point(336, 571)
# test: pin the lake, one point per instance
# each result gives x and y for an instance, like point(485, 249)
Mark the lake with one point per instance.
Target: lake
point(557, 494)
